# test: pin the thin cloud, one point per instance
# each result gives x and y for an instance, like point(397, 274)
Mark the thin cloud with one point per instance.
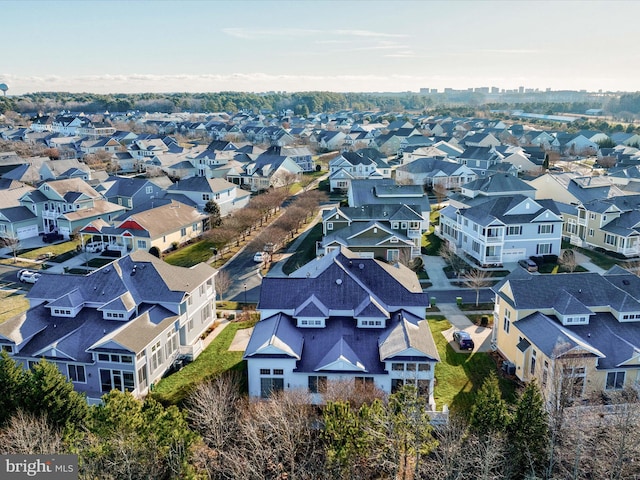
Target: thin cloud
point(257, 34)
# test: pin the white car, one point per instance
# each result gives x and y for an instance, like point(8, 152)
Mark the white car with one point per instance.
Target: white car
point(27, 276)
point(94, 247)
point(259, 257)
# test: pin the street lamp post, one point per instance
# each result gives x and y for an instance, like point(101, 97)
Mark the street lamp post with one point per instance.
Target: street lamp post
point(245, 293)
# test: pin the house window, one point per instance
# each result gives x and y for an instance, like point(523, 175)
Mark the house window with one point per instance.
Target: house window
point(543, 248)
point(591, 232)
point(265, 371)
point(615, 380)
point(116, 380)
point(194, 227)
point(393, 255)
point(329, 225)
point(103, 357)
point(206, 196)
point(149, 189)
point(76, 373)
point(545, 373)
point(533, 363)
point(592, 216)
point(269, 386)
point(183, 231)
point(475, 246)
point(610, 239)
point(142, 244)
point(317, 384)
point(156, 356)
point(142, 377)
point(364, 381)
point(545, 229)
point(514, 230)
point(7, 348)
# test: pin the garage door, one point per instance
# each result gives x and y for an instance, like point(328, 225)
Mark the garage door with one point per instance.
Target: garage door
point(27, 232)
point(513, 255)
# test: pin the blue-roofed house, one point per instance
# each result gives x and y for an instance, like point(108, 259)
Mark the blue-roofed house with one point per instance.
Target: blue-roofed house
point(366, 163)
point(201, 190)
point(130, 192)
point(429, 171)
point(341, 318)
point(580, 328)
point(64, 206)
point(502, 229)
point(120, 327)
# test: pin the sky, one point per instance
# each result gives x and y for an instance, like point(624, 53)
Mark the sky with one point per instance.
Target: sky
point(343, 46)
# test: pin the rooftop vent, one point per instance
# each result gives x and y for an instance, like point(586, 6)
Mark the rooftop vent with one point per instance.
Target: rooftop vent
point(338, 281)
point(361, 266)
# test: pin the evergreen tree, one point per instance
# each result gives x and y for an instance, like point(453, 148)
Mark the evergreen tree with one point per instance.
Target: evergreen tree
point(529, 433)
point(12, 385)
point(213, 210)
point(50, 393)
point(489, 413)
point(129, 438)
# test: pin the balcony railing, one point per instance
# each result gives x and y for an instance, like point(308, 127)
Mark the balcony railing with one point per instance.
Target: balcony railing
point(494, 239)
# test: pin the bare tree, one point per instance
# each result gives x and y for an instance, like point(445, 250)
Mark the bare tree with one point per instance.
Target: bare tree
point(11, 241)
point(440, 192)
point(451, 258)
point(28, 434)
point(278, 439)
point(476, 279)
point(214, 410)
point(568, 260)
point(222, 282)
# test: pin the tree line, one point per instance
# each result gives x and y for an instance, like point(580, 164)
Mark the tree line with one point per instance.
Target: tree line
point(359, 433)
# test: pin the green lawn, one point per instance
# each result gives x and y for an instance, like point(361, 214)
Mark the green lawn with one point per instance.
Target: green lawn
point(305, 252)
point(11, 304)
point(57, 249)
point(191, 254)
point(600, 259)
point(215, 360)
point(460, 375)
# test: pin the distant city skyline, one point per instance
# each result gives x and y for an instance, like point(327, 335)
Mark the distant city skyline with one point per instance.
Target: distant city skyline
point(374, 46)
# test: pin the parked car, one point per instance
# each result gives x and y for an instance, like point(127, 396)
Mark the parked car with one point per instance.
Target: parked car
point(52, 237)
point(28, 276)
point(259, 257)
point(94, 247)
point(528, 264)
point(463, 339)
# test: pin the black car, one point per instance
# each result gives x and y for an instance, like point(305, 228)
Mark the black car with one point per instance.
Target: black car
point(463, 339)
point(52, 237)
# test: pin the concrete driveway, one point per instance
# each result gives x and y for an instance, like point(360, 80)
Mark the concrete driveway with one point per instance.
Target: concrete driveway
point(481, 336)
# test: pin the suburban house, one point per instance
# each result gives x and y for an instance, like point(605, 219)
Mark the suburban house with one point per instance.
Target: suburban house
point(580, 328)
point(270, 171)
point(201, 190)
point(499, 185)
point(502, 229)
point(611, 224)
point(435, 171)
point(66, 205)
point(571, 188)
point(366, 163)
point(480, 159)
point(385, 231)
point(386, 192)
point(130, 192)
point(119, 327)
point(163, 226)
point(341, 318)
